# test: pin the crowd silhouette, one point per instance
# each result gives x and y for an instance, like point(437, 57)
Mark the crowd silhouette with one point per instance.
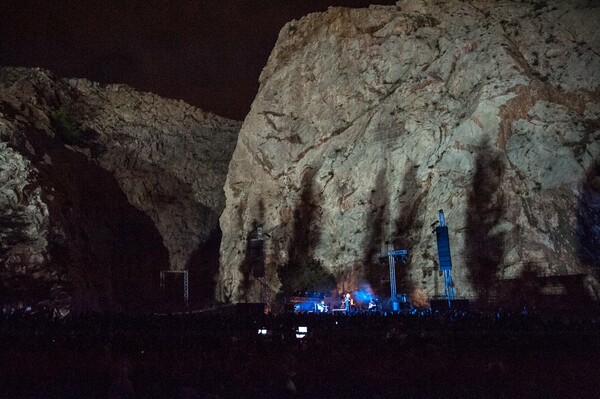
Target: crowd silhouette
point(363, 355)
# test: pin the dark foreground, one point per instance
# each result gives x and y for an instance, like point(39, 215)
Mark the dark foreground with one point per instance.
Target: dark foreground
point(460, 355)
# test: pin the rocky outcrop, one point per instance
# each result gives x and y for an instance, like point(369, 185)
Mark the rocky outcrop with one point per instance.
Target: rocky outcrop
point(368, 121)
point(102, 186)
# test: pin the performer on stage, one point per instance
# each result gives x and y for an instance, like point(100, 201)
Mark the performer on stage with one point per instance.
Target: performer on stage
point(347, 302)
point(372, 305)
point(321, 307)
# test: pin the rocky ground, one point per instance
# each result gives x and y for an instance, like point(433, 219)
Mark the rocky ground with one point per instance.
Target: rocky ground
point(368, 121)
point(102, 186)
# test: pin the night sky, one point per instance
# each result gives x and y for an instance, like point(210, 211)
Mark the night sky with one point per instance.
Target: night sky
point(208, 53)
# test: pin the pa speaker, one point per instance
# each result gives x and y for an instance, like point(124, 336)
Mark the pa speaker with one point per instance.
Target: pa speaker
point(443, 243)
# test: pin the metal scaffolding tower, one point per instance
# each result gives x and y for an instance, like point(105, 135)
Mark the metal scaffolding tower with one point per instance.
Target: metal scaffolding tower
point(186, 285)
point(392, 254)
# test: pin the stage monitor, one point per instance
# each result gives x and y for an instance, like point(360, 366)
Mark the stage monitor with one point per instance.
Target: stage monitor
point(301, 331)
point(443, 243)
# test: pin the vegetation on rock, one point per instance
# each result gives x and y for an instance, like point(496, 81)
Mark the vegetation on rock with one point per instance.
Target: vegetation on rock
point(67, 126)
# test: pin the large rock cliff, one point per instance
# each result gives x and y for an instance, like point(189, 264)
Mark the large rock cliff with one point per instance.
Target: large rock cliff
point(102, 186)
point(368, 121)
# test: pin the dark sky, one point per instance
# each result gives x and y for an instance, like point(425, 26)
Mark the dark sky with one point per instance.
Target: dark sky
point(206, 52)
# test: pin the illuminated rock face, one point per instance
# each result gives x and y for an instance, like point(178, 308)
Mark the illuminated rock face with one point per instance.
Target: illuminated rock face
point(368, 121)
point(103, 186)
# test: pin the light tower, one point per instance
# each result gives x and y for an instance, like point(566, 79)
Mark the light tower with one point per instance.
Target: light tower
point(392, 254)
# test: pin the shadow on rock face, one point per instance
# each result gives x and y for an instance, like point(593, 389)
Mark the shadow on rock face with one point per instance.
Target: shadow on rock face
point(303, 272)
point(485, 208)
point(305, 235)
point(408, 225)
point(588, 229)
point(574, 292)
point(533, 290)
point(112, 250)
point(203, 268)
point(374, 237)
point(249, 284)
point(526, 289)
point(307, 275)
point(404, 235)
point(588, 219)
